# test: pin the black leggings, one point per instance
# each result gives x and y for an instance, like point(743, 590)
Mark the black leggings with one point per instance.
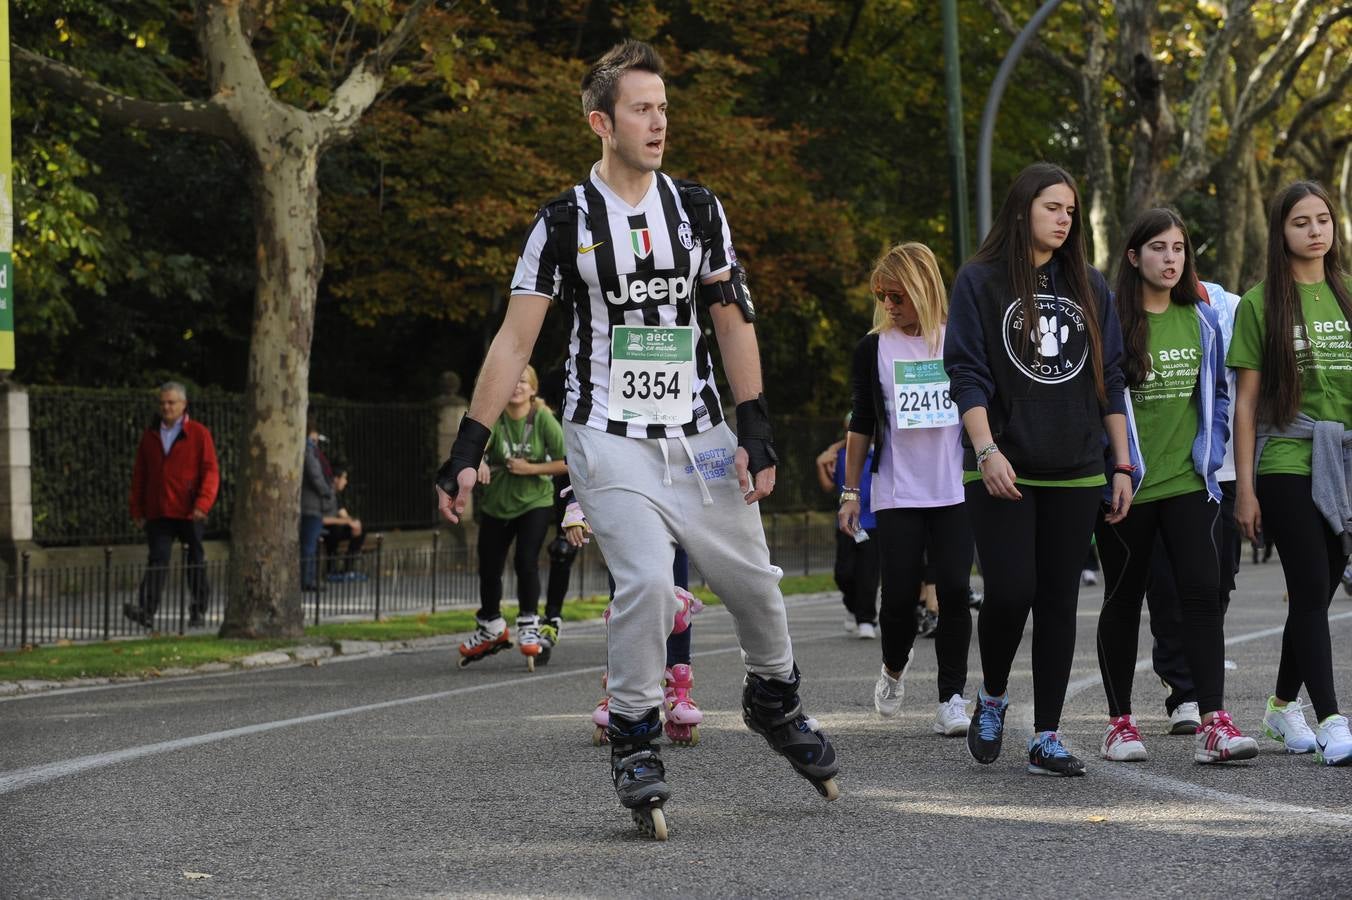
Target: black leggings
point(1031, 553)
point(1312, 561)
point(906, 538)
point(1189, 526)
point(1166, 621)
point(495, 536)
point(856, 575)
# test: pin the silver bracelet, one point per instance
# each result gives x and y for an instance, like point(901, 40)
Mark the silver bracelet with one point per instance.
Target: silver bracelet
point(986, 453)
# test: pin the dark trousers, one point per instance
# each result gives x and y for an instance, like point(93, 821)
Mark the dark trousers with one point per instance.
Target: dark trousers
point(678, 645)
point(1312, 561)
point(856, 574)
point(310, 529)
point(1189, 527)
point(334, 535)
point(1166, 618)
point(907, 538)
point(161, 535)
point(1031, 555)
point(495, 536)
point(562, 555)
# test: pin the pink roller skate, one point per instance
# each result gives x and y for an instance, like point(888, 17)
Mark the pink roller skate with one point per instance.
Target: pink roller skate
point(601, 717)
point(689, 605)
point(682, 715)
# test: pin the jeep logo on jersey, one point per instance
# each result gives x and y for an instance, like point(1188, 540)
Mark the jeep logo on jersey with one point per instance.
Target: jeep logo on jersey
point(642, 241)
point(642, 290)
point(1056, 346)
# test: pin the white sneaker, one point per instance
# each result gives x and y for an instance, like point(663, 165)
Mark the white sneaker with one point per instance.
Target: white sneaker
point(889, 691)
point(1333, 742)
point(952, 719)
point(1089, 576)
point(1286, 725)
point(867, 631)
point(851, 626)
point(1121, 741)
point(1185, 719)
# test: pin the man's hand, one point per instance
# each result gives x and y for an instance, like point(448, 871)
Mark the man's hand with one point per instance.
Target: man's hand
point(754, 487)
point(452, 508)
point(139, 523)
point(456, 477)
point(199, 515)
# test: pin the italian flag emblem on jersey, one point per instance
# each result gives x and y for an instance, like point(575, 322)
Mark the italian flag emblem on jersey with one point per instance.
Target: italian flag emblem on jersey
point(642, 242)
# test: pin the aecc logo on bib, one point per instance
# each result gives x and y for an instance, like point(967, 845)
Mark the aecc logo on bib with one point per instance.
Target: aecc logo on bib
point(1059, 338)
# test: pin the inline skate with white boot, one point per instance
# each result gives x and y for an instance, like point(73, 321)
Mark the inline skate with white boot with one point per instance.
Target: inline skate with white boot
point(491, 636)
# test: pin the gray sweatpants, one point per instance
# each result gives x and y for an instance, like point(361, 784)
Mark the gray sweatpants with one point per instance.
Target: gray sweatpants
point(642, 497)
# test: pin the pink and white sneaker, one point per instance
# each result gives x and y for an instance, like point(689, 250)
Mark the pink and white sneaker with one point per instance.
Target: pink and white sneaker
point(1122, 741)
point(1220, 741)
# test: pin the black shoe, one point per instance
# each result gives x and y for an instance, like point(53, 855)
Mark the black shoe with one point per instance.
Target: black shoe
point(1048, 756)
point(986, 733)
point(138, 615)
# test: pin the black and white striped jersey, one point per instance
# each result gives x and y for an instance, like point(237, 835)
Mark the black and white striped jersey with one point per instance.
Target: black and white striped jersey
point(639, 265)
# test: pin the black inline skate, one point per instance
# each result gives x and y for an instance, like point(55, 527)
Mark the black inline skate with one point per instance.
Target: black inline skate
point(772, 709)
point(637, 769)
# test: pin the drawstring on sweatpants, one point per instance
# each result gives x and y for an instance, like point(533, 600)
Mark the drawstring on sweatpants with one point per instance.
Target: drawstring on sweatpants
point(706, 497)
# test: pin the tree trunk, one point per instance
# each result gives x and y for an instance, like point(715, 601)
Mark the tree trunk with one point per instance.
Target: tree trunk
point(265, 596)
point(1232, 193)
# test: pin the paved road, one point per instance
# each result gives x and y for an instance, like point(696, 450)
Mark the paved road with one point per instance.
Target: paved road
point(403, 776)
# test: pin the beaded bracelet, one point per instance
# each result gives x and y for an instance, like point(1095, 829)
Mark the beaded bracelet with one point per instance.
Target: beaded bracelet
point(848, 494)
point(986, 453)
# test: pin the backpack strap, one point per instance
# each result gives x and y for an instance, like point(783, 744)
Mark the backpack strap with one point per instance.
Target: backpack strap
point(560, 216)
point(700, 205)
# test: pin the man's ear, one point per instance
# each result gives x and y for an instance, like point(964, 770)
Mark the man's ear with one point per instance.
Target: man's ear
point(600, 123)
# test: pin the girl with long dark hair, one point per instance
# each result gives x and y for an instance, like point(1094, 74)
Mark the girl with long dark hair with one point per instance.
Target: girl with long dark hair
point(1174, 366)
point(1293, 449)
point(1032, 352)
point(902, 404)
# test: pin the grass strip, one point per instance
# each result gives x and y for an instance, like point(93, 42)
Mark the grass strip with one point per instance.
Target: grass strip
point(150, 656)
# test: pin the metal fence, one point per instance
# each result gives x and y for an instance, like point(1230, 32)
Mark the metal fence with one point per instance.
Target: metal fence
point(84, 443)
point(84, 603)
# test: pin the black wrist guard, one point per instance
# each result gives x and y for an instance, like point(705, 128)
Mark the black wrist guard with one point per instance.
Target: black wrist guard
point(466, 453)
point(733, 290)
point(754, 434)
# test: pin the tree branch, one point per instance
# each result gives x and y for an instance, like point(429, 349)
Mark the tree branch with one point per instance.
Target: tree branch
point(1194, 158)
point(1290, 68)
point(1066, 65)
point(1332, 93)
point(189, 116)
point(362, 85)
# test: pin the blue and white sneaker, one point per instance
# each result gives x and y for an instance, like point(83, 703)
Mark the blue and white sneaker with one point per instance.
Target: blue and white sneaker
point(1048, 756)
point(1333, 742)
point(986, 732)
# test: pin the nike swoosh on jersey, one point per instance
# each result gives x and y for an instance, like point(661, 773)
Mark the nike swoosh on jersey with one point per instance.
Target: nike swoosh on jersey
point(589, 247)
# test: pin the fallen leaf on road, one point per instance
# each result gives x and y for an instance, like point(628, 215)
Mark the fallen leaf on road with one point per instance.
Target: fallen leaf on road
point(196, 876)
point(1098, 818)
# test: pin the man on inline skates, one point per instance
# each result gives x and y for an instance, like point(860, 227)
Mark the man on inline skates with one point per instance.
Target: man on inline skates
point(631, 251)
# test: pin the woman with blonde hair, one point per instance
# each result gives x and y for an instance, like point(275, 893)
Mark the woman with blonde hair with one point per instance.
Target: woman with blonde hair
point(525, 450)
point(901, 405)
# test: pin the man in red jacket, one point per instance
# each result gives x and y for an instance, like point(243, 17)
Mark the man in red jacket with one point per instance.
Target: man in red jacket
point(173, 486)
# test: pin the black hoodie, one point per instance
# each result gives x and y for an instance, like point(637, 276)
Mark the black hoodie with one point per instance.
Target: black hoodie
point(1041, 403)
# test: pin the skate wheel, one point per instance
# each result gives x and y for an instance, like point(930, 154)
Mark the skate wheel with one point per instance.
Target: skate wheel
point(827, 789)
point(464, 661)
point(651, 822)
point(598, 736)
point(694, 736)
point(530, 664)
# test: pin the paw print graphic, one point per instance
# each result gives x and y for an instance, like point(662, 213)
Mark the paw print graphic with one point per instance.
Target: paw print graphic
point(1049, 339)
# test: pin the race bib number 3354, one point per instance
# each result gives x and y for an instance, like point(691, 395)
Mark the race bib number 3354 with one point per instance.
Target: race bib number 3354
point(920, 394)
point(652, 374)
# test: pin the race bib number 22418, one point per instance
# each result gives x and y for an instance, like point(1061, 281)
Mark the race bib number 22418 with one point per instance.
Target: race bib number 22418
point(920, 392)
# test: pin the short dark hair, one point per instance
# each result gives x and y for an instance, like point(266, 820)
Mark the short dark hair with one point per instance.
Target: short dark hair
point(601, 83)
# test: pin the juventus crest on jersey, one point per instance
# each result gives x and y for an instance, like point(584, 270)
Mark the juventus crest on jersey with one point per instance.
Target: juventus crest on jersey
point(639, 364)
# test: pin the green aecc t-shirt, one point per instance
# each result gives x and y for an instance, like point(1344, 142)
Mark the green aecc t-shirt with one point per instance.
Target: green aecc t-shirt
point(1323, 346)
point(507, 496)
point(1165, 406)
